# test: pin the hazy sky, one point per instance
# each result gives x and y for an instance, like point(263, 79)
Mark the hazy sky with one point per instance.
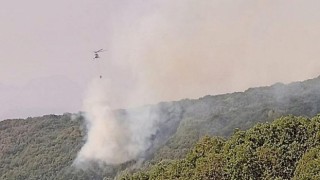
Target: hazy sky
point(158, 50)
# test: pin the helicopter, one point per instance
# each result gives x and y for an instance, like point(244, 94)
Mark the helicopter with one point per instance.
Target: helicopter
point(96, 56)
point(96, 53)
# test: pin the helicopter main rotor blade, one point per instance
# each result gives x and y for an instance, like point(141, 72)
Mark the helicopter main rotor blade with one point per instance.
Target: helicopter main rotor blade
point(100, 50)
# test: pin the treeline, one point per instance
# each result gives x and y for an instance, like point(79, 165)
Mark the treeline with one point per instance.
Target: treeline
point(220, 115)
point(41, 148)
point(45, 147)
point(287, 148)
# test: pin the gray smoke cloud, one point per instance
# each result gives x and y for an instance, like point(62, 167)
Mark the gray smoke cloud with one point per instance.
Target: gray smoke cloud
point(110, 139)
point(169, 50)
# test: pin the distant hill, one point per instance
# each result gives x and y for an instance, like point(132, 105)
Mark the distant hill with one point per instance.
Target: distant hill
point(51, 142)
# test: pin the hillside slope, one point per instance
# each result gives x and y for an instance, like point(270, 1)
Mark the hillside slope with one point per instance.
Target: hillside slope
point(285, 149)
point(45, 147)
point(220, 115)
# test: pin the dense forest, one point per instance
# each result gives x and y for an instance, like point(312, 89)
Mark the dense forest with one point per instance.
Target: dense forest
point(216, 130)
point(287, 148)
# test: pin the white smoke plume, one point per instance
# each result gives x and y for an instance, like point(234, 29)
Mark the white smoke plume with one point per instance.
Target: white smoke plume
point(163, 50)
point(111, 140)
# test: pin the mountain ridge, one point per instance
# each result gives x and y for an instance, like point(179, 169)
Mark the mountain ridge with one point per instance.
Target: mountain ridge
point(180, 124)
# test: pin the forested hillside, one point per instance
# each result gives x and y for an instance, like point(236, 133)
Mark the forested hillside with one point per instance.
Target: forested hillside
point(220, 115)
point(45, 147)
point(38, 148)
point(288, 148)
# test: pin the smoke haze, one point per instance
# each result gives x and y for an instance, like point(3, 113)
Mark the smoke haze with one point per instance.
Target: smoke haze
point(160, 49)
point(169, 50)
point(112, 140)
point(179, 49)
